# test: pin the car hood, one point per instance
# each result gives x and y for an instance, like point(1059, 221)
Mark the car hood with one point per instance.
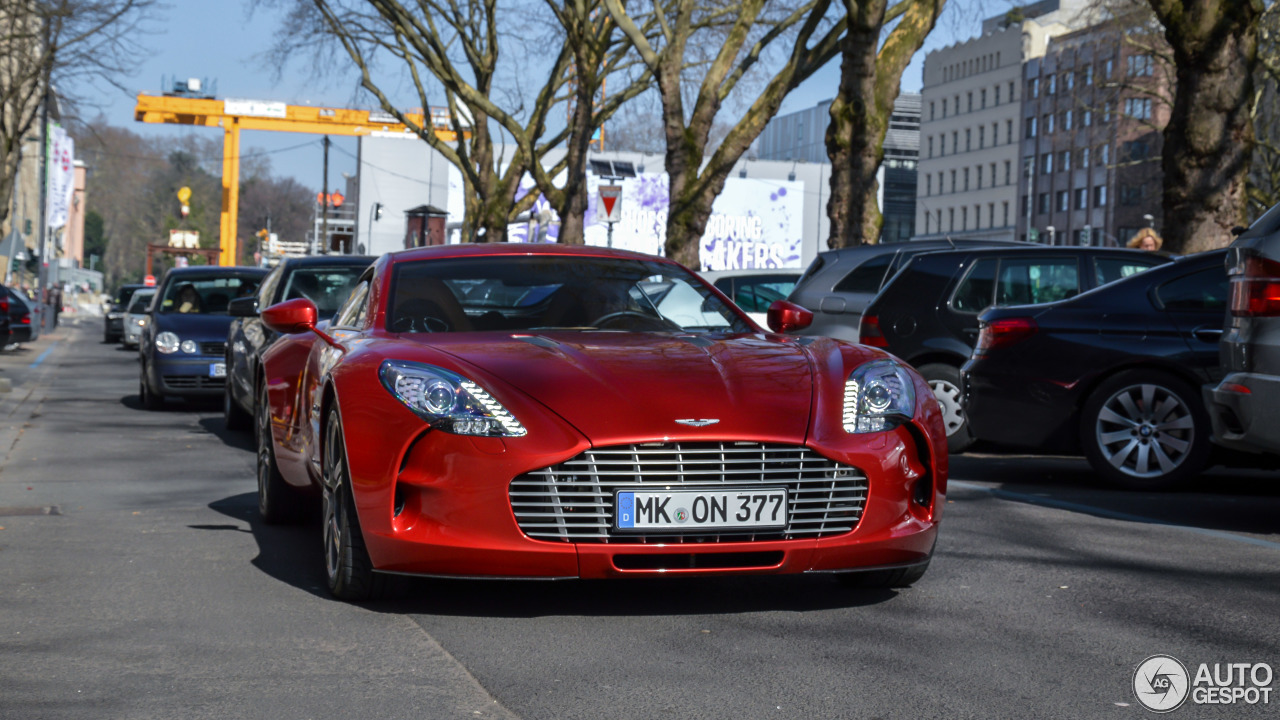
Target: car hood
point(620, 387)
point(190, 326)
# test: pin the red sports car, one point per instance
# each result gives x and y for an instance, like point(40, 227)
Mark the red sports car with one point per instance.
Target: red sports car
point(548, 411)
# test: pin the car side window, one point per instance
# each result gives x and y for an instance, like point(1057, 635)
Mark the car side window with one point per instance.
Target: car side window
point(353, 311)
point(866, 278)
point(267, 292)
point(974, 293)
point(1109, 270)
point(1206, 290)
point(1024, 281)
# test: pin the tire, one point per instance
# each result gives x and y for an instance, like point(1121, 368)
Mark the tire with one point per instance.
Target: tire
point(347, 565)
point(232, 414)
point(945, 382)
point(1145, 430)
point(278, 503)
point(150, 400)
point(895, 578)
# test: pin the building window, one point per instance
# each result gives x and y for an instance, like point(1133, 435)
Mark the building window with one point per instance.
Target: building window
point(1046, 163)
point(1006, 213)
point(1104, 154)
point(979, 169)
point(1136, 150)
point(1044, 203)
point(1139, 108)
point(969, 101)
point(1140, 65)
point(997, 94)
point(983, 95)
point(1084, 157)
point(951, 219)
point(1064, 160)
point(926, 223)
point(1106, 112)
point(953, 181)
point(1031, 127)
point(991, 215)
point(982, 136)
point(1053, 85)
point(1088, 74)
point(1033, 87)
point(1064, 201)
point(1048, 124)
point(940, 191)
point(1107, 67)
point(1100, 196)
point(1087, 118)
point(1082, 198)
point(955, 141)
point(1008, 172)
point(966, 179)
point(928, 185)
point(944, 107)
point(938, 224)
point(1070, 79)
point(930, 146)
point(931, 109)
point(942, 141)
point(1012, 92)
point(1066, 120)
point(1131, 194)
point(993, 174)
point(964, 218)
point(968, 139)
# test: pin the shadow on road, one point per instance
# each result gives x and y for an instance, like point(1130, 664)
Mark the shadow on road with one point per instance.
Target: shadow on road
point(292, 555)
point(1230, 499)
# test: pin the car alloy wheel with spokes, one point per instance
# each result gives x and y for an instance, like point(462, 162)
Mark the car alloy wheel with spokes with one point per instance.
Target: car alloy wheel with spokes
point(347, 565)
point(1145, 432)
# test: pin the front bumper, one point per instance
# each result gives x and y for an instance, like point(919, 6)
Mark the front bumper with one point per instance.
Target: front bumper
point(448, 512)
point(186, 376)
point(1245, 420)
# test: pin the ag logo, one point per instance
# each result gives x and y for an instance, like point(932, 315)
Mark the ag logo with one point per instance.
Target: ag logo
point(1161, 683)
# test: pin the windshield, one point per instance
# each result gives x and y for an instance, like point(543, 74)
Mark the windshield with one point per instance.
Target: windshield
point(140, 301)
point(327, 287)
point(550, 293)
point(206, 294)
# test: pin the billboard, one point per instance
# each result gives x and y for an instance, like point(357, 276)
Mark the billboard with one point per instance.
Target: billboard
point(755, 223)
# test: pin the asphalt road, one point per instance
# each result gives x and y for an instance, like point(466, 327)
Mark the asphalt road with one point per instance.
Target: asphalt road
point(138, 583)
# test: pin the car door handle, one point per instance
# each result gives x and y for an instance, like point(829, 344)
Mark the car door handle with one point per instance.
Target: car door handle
point(1208, 334)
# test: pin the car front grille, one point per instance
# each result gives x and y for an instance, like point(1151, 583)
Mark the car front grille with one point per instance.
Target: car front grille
point(213, 348)
point(193, 382)
point(574, 501)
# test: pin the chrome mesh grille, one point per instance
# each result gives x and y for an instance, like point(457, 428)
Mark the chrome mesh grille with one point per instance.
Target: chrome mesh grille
point(574, 501)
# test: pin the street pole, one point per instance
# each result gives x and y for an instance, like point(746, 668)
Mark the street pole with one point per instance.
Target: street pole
point(1031, 198)
point(324, 205)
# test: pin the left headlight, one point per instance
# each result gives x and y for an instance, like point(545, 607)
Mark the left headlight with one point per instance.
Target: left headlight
point(447, 400)
point(878, 396)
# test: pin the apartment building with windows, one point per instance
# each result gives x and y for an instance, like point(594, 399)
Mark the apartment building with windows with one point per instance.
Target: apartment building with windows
point(972, 124)
point(1094, 106)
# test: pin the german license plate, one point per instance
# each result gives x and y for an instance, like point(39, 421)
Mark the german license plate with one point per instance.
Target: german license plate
point(702, 509)
point(218, 369)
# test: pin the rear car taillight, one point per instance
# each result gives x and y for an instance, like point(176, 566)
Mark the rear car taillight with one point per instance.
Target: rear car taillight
point(1003, 333)
point(4, 305)
point(869, 332)
point(1255, 288)
point(25, 319)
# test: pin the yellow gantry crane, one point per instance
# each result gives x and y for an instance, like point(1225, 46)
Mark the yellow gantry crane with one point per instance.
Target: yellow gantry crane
point(236, 115)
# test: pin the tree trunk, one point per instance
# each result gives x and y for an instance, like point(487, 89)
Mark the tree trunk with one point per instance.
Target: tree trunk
point(1209, 139)
point(856, 132)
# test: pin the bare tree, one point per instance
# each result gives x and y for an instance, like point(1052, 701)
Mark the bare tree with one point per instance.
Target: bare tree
point(1264, 170)
point(1209, 139)
point(870, 75)
point(57, 43)
point(697, 174)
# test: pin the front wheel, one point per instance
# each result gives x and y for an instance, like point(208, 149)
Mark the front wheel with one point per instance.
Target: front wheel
point(347, 564)
point(1145, 430)
point(150, 400)
point(944, 380)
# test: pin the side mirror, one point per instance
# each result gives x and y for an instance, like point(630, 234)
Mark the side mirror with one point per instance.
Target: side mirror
point(785, 317)
point(291, 316)
point(243, 307)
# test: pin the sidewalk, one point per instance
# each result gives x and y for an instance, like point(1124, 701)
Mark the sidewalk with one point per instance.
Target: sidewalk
point(24, 377)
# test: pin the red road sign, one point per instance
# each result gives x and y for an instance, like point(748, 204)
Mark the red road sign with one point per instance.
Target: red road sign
point(611, 203)
point(149, 281)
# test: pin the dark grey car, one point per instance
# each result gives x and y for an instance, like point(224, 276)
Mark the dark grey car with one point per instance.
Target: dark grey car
point(1243, 406)
point(839, 284)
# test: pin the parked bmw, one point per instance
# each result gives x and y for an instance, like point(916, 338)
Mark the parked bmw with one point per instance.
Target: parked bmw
point(325, 280)
point(1243, 406)
point(928, 313)
point(183, 345)
point(1114, 373)
point(562, 423)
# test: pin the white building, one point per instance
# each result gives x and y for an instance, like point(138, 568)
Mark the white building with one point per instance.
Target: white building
point(970, 167)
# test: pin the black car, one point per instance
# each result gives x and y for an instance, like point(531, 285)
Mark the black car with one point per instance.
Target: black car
point(113, 323)
point(182, 348)
point(1243, 406)
point(838, 284)
point(1114, 373)
point(24, 318)
point(928, 313)
point(326, 280)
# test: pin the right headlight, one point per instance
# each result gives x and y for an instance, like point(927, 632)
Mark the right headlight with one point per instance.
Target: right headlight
point(878, 396)
point(447, 400)
point(167, 343)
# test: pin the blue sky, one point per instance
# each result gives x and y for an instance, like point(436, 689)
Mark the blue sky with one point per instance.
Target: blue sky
point(220, 41)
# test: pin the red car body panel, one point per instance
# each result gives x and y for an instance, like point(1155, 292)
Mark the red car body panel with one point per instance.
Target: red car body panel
point(573, 391)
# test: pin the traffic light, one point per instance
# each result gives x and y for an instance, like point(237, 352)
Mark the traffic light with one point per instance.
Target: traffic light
point(377, 211)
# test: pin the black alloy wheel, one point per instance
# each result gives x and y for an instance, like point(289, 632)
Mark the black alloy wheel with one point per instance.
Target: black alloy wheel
point(278, 504)
point(347, 565)
point(1145, 430)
